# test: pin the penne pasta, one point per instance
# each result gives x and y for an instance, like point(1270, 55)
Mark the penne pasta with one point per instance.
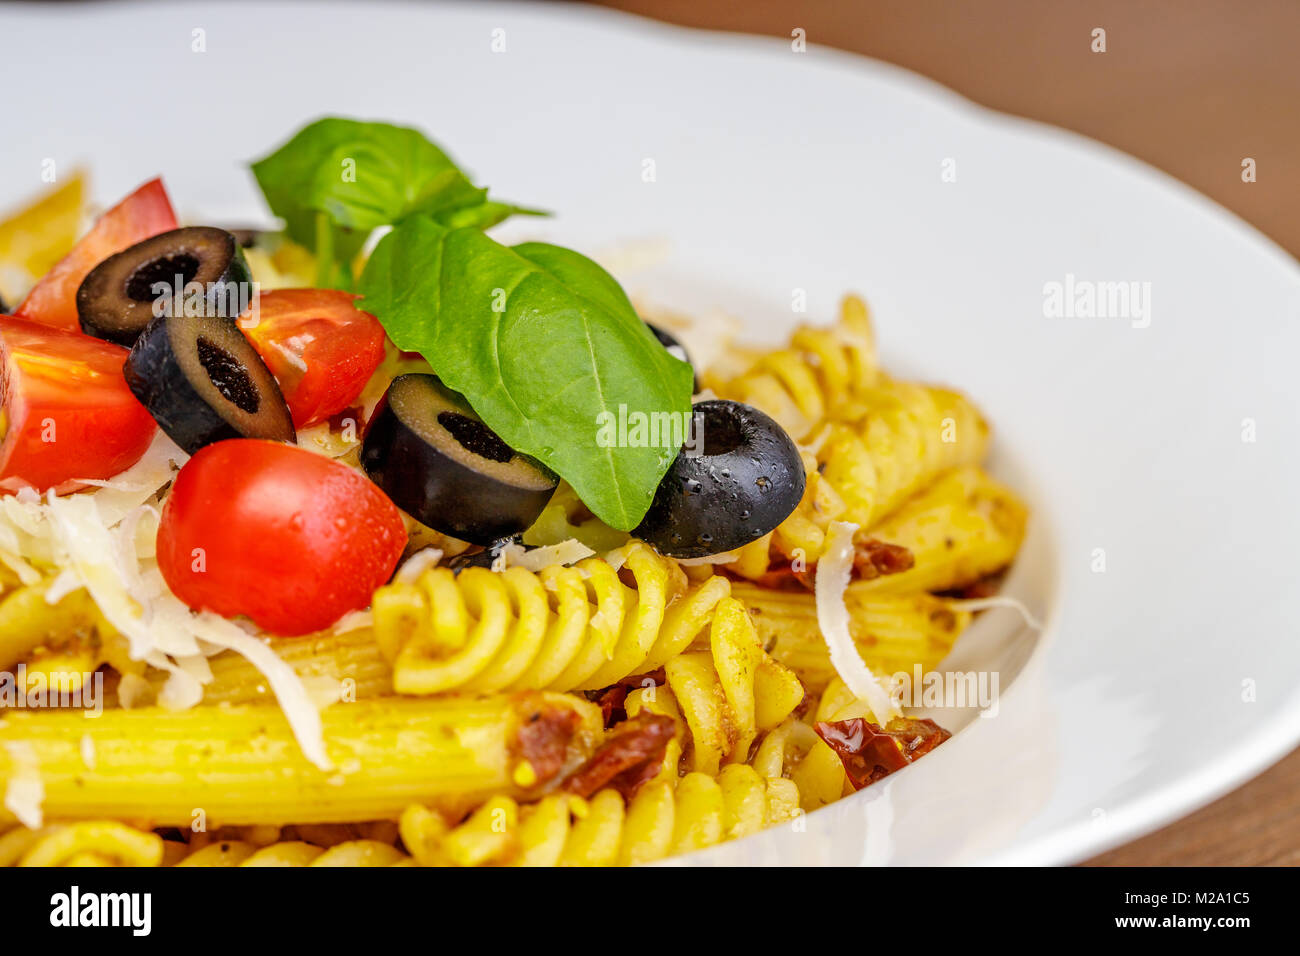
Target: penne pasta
point(892, 632)
point(346, 666)
point(241, 765)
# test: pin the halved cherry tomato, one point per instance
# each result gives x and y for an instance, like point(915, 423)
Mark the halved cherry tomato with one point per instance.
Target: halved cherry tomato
point(144, 213)
point(280, 534)
point(68, 412)
point(320, 347)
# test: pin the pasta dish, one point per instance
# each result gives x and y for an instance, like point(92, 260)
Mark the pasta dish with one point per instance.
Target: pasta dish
point(373, 541)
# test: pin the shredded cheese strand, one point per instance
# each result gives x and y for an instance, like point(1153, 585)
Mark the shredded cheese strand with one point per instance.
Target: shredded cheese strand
point(834, 569)
point(996, 601)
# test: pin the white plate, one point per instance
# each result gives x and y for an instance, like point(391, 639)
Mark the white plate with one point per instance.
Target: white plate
point(777, 171)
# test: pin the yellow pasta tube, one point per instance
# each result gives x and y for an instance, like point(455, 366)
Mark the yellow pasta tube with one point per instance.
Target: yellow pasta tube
point(348, 664)
point(892, 632)
point(241, 764)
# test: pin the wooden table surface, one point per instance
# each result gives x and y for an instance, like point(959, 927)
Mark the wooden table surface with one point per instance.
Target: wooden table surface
point(1190, 86)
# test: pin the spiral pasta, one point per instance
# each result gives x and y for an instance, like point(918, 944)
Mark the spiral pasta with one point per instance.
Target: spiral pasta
point(820, 371)
point(869, 442)
point(962, 528)
point(795, 751)
point(85, 843)
point(108, 843)
point(561, 830)
point(862, 471)
point(731, 692)
point(294, 853)
point(562, 628)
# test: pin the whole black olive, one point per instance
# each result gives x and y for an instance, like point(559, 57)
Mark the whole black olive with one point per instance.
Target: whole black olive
point(742, 479)
point(203, 382)
point(675, 349)
point(202, 268)
point(434, 457)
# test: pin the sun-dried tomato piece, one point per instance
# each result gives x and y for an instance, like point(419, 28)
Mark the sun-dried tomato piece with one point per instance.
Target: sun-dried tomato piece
point(543, 739)
point(612, 699)
point(633, 754)
point(916, 737)
point(870, 752)
point(874, 558)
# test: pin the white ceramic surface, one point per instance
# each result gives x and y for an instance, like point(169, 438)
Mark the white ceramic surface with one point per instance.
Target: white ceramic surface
point(778, 171)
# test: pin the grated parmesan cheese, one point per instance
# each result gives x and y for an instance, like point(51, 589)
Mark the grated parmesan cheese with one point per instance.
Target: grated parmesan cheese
point(550, 555)
point(417, 564)
point(996, 601)
point(103, 540)
point(834, 569)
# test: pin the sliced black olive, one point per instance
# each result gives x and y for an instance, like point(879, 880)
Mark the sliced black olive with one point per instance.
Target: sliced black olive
point(120, 295)
point(203, 382)
point(675, 349)
point(486, 557)
point(437, 461)
point(743, 478)
point(4, 309)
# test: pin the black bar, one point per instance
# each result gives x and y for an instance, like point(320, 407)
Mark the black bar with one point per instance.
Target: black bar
point(1146, 905)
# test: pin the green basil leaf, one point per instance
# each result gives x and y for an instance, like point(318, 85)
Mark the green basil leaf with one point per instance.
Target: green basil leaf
point(485, 215)
point(545, 346)
point(362, 176)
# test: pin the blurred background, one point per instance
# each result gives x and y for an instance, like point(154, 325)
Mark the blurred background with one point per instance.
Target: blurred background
point(1192, 87)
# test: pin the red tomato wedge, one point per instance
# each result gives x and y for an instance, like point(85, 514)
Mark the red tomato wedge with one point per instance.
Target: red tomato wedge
point(319, 346)
point(144, 213)
point(68, 412)
point(289, 538)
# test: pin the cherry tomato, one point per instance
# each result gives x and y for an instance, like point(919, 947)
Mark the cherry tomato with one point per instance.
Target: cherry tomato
point(280, 534)
point(320, 347)
point(68, 412)
point(144, 213)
